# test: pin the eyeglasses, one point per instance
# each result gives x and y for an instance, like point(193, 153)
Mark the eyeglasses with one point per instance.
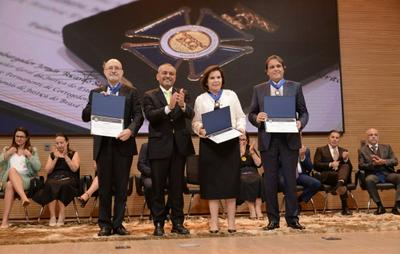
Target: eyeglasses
point(113, 68)
point(20, 136)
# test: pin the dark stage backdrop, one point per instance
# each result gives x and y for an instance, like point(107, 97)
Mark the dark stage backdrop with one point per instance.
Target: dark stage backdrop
point(52, 52)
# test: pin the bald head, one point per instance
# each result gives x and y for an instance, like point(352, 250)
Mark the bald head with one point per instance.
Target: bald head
point(113, 71)
point(372, 136)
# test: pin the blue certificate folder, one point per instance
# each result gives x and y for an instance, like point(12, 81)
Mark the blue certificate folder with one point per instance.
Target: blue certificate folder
point(280, 107)
point(217, 120)
point(107, 117)
point(218, 125)
point(109, 106)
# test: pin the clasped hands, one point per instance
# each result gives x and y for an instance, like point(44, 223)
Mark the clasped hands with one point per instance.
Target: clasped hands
point(177, 98)
point(377, 161)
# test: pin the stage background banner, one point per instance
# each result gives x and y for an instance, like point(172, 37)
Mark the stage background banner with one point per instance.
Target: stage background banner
point(52, 52)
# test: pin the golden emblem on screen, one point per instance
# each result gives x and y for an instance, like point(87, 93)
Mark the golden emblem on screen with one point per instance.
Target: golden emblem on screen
point(189, 41)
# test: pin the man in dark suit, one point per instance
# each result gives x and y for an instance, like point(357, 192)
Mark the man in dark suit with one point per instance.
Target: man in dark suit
point(167, 110)
point(114, 155)
point(278, 150)
point(310, 184)
point(335, 166)
point(378, 162)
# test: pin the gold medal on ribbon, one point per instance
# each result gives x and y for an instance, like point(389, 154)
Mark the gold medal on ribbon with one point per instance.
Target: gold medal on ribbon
point(244, 158)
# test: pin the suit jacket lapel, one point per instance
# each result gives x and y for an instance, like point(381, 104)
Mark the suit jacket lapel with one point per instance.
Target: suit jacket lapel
point(328, 151)
point(160, 95)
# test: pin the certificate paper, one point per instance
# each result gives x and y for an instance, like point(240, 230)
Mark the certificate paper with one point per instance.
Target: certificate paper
point(283, 126)
point(106, 126)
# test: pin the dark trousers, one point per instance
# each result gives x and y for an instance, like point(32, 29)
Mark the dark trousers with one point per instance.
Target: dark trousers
point(168, 173)
point(371, 181)
point(332, 177)
point(279, 157)
point(310, 184)
point(113, 172)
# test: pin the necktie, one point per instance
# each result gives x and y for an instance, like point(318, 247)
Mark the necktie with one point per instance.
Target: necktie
point(167, 95)
point(335, 154)
point(374, 148)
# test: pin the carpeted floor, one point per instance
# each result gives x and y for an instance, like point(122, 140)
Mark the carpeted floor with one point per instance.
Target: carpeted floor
point(21, 233)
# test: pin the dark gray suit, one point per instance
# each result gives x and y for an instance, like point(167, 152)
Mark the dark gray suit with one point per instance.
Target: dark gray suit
point(279, 149)
point(372, 172)
point(114, 158)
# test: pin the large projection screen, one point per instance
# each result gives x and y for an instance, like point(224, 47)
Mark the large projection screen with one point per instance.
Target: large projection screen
point(51, 53)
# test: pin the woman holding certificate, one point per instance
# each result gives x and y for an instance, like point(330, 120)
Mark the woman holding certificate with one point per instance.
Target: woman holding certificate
point(219, 172)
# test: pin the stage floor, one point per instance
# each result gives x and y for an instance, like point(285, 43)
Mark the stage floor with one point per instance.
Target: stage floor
point(353, 242)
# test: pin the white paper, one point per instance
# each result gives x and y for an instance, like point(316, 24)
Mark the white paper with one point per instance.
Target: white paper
point(225, 136)
point(286, 126)
point(106, 126)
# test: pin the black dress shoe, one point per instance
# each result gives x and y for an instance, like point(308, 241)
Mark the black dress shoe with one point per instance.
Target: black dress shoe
point(271, 225)
point(159, 229)
point(380, 210)
point(231, 231)
point(296, 225)
point(104, 231)
point(180, 229)
point(346, 212)
point(214, 231)
point(395, 211)
point(120, 231)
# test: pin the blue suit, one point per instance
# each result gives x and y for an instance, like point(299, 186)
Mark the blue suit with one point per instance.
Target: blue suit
point(279, 151)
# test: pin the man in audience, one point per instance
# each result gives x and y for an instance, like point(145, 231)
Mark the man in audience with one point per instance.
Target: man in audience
point(378, 162)
point(334, 164)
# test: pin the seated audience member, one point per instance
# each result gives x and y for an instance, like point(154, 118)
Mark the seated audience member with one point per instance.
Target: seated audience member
point(143, 166)
point(378, 162)
point(19, 163)
point(251, 184)
point(62, 183)
point(94, 186)
point(334, 164)
point(310, 184)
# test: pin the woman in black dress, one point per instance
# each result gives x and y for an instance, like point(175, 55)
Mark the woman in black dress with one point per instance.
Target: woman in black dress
point(62, 183)
point(250, 180)
point(219, 172)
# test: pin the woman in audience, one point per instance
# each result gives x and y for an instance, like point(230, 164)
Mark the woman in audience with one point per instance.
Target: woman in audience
point(19, 163)
point(250, 180)
point(219, 172)
point(62, 183)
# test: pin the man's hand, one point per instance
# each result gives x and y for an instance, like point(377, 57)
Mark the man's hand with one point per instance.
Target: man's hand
point(377, 161)
point(125, 135)
point(302, 152)
point(172, 101)
point(180, 98)
point(345, 155)
point(298, 125)
point(334, 165)
point(261, 117)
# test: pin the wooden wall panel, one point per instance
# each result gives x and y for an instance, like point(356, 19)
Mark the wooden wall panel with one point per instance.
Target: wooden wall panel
point(370, 53)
